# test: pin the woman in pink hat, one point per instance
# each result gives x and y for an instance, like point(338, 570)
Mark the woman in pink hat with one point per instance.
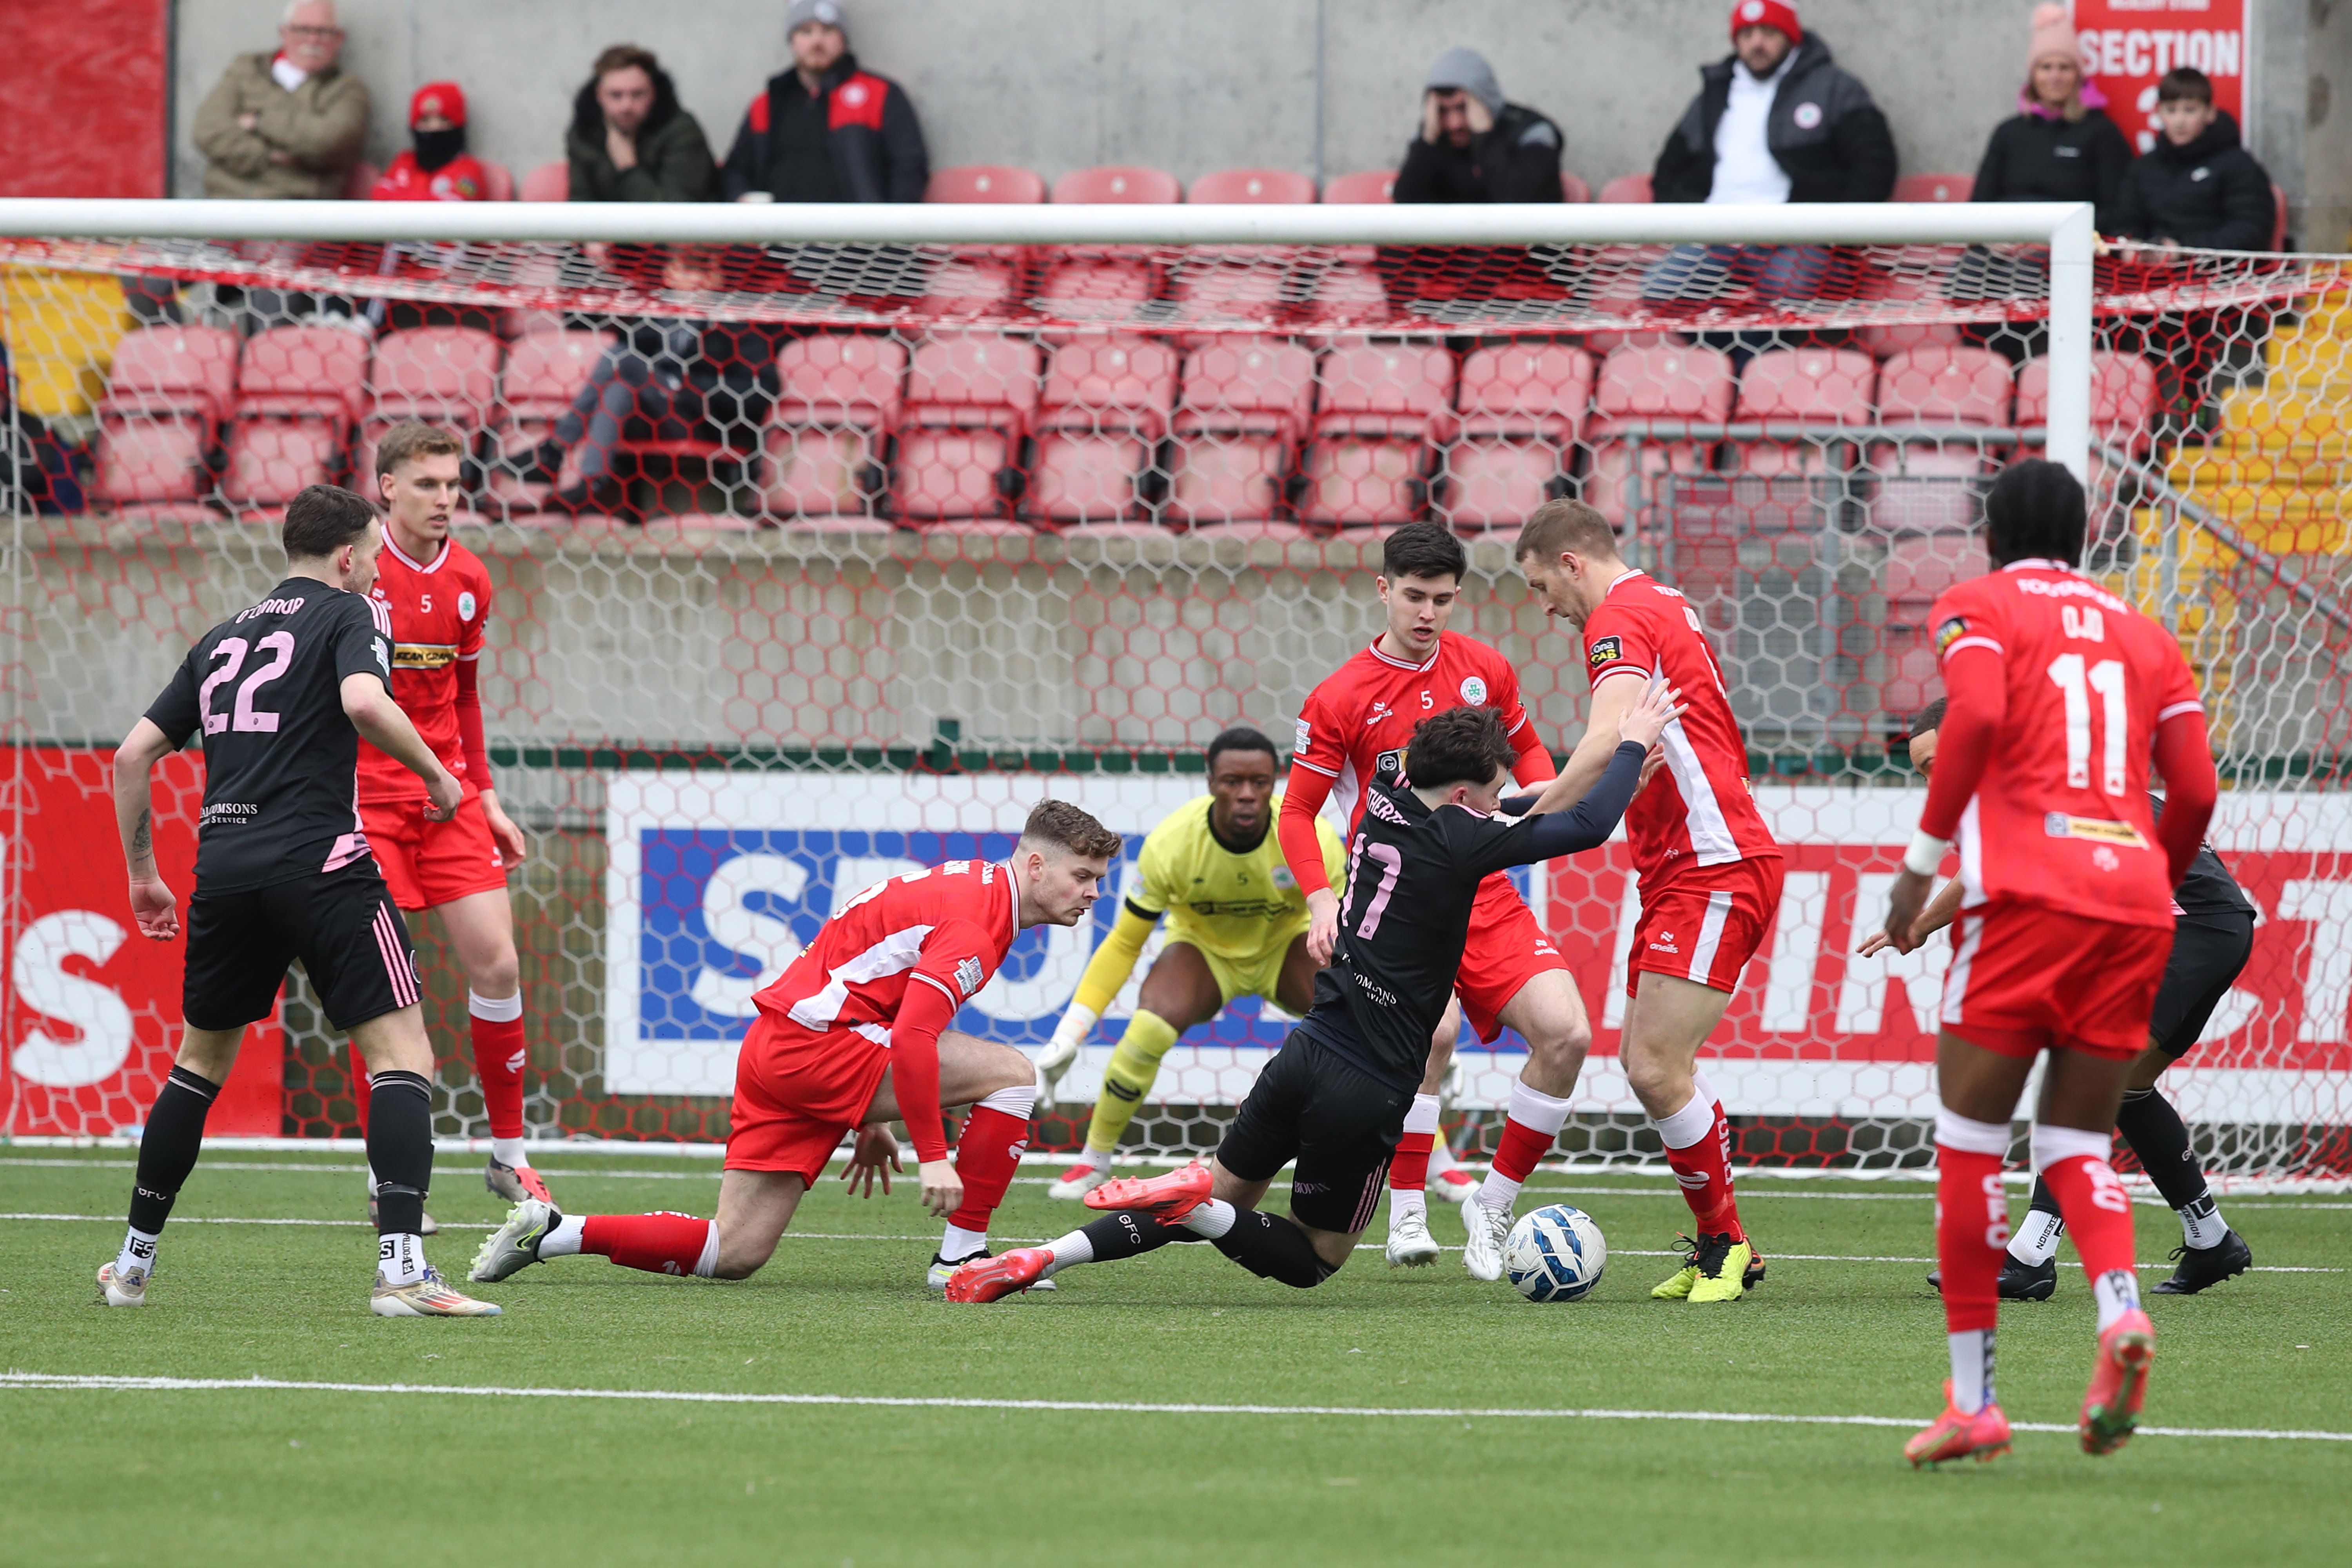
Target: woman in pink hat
point(2058, 147)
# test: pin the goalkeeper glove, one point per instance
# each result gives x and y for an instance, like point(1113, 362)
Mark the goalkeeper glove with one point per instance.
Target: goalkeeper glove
point(1063, 1049)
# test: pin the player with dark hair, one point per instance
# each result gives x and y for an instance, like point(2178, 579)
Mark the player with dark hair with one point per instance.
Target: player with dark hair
point(282, 693)
point(2057, 692)
point(1236, 927)
point(1334, 1098)
point(1709, 871)
point(436, 593)
point(855, 1034)
point(1352, 730)
point(2212, 936)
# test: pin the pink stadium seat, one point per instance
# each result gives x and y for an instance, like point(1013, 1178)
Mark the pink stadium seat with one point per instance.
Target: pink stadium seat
point(1371, 186)
point(1652, 382)
point(1117, 182)
point(1102, 417)
point(1247, 185)
point(498, 184)
point(2122, 398)
point(548, 182)
point(1801, 386)
point(984, 183)
point(1934, 187)
point(1522, 407)
point(1246, 409)
point(299, 392)
point(150, 460)
point(1918, 570)
point(444, 376)
point(1383, 404)
point(970, 400)
point(1573, 189)
point(544, 369)
point(838, 396)
point(271, 461)
point(166, 394)
point(1889, 338)
point(1627, 188)
point(1105, 282)
point(1925, 486)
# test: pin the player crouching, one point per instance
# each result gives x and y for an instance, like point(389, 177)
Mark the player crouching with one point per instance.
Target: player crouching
point(1334, 1098)
point(855, 1034)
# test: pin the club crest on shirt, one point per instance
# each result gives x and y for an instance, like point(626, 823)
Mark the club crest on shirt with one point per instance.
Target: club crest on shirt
point(1283, 878)
point(465, 607)
point(1473, 692)
point(1604, 650)
point(968, 975)
point(1950, 632)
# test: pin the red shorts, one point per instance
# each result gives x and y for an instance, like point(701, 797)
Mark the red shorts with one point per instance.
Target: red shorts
point(1704, 923)
point(798, 1093)
point(1505, 950)
point(428, 864)
point(2024, 978)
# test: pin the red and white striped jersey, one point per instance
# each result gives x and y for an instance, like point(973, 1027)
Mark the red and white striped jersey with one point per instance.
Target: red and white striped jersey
point(1700, 809)
point(947, 926)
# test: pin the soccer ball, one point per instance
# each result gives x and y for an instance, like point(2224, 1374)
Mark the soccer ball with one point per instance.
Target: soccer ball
point(1555, 1253)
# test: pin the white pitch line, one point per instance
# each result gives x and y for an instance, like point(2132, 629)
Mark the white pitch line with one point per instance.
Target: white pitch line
point(96, 1384)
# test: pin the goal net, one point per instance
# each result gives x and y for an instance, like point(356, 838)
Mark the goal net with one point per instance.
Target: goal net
point(816, 560)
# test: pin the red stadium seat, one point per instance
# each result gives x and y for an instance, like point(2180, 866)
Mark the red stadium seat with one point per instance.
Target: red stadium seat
point(150, 460)
point(1801, 386)
point(970, 400)
point(2122, 398)
point(984, 183)
point(498, 184)
point(1246, 185)
point(544, 371)
point(1652, 382)
point(1383, 404)
point(1100, 282)
point(1945, 386)
point(980, 281)
point(1573, 189)
point(1102, 417)
point(1927, 485)
point(1918, 571)
point(1372, 186)
point(838, 396)
point(1246, 409)
point(1627, 188)
point(271, 461)
point(1117, 182)
point(166, 395)
point(1522, 407)
point(1934, 187)
point(548, 182)
point(443, 376)
point(299, 392)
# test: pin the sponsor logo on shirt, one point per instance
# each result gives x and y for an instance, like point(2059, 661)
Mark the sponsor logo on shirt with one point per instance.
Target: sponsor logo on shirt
point(1390, 764)
point(968, 975)
point(1473, 692)
point(2058, 824)
point(1305, 736)
point(423, 656)
point(1605, 651)
point(1950, 632)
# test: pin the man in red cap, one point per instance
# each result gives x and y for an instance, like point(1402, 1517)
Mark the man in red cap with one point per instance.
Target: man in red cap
point(436, 168)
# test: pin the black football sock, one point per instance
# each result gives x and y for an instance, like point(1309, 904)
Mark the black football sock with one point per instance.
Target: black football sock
point(2036, 1241)
point(1124, 1234)
point(2152, 1126)
point(400, 1150)
point(168, 1149)
point(1273, 1247)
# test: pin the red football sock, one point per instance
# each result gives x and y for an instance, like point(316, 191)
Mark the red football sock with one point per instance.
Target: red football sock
point(656, 1243)
point(1971, 1234)
point(1703, 1169)
point(1409, 1166)
point(1520, 1149)
point(359, 1089)
point(986, 1156)
point(2097, 1212)
point(499, 1056)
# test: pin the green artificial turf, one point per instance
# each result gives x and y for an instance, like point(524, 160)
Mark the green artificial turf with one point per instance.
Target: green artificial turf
point(282, 1477)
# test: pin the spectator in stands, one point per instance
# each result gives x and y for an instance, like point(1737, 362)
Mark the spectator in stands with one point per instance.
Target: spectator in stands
point(437, 167)
point(667, 379)
point(2196, 188)
point(1474, 146)
point(826, 131)
point(1774, 121)
point(2058, 147)
point(630, 141)
point(287, 124)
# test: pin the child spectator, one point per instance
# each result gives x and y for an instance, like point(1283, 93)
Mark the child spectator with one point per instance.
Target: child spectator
point(2197, 188)
point(437, 167)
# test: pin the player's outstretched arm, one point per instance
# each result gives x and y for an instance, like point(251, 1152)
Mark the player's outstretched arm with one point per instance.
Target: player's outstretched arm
point(152, 903)
point(1302, 851)
point(1612, 699)
point(1941, 911)
point(378, 717)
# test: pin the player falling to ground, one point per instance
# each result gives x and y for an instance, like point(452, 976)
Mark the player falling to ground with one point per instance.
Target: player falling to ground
point(855, 1034)
point(2057, 692)
point(1335, 1097)
point(1709, 870)
point(282, 693)
point(1351, 729)
point(2212, 936)
point(1236, 927)
point(439, 594)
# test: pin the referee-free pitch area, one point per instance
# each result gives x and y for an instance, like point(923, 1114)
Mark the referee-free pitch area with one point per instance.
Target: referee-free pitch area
point(1385, 1417)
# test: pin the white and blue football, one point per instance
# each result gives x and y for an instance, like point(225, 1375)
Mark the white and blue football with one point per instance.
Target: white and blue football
point(1555, 1253)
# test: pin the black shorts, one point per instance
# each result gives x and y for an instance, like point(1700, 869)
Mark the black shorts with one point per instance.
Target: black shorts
point(1337, 1121)
point(342, 924)
point(2208, 953)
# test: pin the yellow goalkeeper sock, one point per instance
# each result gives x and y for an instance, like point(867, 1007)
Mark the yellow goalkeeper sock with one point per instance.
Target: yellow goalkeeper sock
point(1127, 1079)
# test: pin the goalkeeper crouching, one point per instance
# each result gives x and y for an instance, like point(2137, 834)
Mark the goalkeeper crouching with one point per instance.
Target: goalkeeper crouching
point(1236, 927)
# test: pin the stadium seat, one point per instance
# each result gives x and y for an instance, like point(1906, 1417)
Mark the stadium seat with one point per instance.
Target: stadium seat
point(167, 392)
point(1522, 407)
point(1918, 570)
point(1945, 386)
point(1573, 189)
point(2279, 216)
point(1105, 282)
point(444, 376)
point(1117, 182)
point(1373, 185)
point(498, 184)
point(1382, 404)
point(1627, 188)
point(299, 392)
point(548, 182)
point(1826, 387)
point(984, 183)
point(838, 396)
point(2122, 398)
point(1885, 338)
point(360, 183)
point(1248, 185)
point(1644, 383)
point(544, 372)
point(970, 399)
point(1100, 422)
point(1929, 485)
point(1934, 187)
point(1246, 409)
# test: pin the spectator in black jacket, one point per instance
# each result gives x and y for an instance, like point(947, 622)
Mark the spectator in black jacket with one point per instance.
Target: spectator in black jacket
point(1776, 121)
point(1474, 146)
point(826, 131)
point(2058, 147)
point(2197, 188)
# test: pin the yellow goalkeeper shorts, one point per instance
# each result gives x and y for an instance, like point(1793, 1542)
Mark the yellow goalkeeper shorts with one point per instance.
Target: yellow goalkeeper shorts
point(1258, 973)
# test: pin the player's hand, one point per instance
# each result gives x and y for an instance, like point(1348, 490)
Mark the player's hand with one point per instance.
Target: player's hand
point(1907, 899)
point(1652, 761)
point(512, 846)
point(1061, 1050)
point(446, 794)
point(1322, 925)
point(875, 1156)
point(942, 1188)
point(155, 907)
point(1655, 708)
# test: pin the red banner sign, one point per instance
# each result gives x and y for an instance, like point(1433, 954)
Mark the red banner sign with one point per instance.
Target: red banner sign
point(2130, 44)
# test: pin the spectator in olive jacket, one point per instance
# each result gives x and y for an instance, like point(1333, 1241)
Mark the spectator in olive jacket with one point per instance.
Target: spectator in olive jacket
point(630, 141)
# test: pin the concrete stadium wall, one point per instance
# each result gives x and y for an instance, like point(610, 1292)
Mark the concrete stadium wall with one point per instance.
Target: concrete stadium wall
point(1055, 85)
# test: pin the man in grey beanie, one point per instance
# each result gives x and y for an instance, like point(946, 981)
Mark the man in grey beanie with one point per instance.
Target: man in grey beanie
point(826, 131)
point(1474, 146)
